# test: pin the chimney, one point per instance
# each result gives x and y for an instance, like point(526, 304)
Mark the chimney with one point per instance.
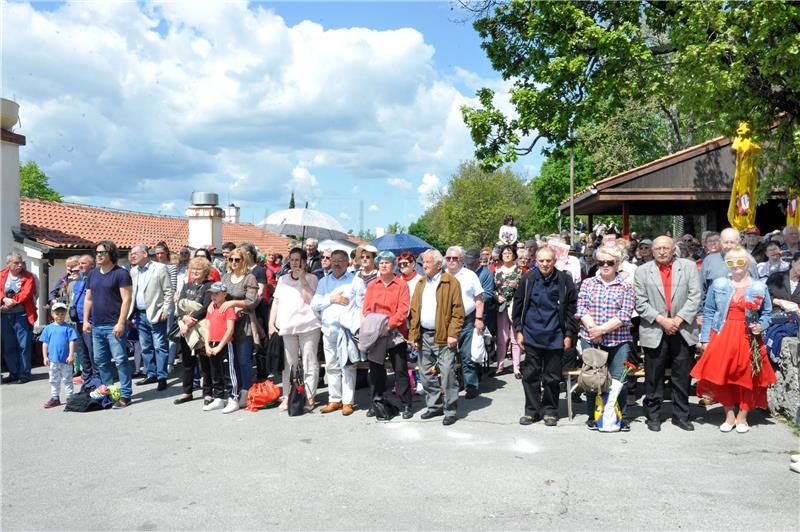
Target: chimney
point(9, 175)
point(205, 220)
point(232, 213)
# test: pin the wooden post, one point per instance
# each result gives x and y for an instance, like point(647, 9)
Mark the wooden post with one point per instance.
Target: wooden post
point(626, 222)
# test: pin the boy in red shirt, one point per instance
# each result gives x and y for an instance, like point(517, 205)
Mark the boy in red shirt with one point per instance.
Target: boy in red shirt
point(219, 364)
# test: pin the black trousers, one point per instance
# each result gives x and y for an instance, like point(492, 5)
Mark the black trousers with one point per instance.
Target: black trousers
point(541, 374)
point(219, 373)
point(189, 363)
point(398, 356)
point(672, 350)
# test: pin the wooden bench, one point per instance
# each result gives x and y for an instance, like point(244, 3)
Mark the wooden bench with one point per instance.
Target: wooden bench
point(572, 373)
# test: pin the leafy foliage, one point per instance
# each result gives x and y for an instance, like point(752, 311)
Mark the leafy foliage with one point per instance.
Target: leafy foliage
point(291, 201)
point(706, 66)
point(34, 183)
point(395, 228)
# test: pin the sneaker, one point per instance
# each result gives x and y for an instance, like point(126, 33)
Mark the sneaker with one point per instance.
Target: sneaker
point(52, 403)
point(232, 406)
point(216, 404)
point(77, 380)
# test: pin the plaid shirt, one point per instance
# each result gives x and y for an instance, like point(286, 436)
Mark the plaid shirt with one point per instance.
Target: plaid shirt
point(603, 302)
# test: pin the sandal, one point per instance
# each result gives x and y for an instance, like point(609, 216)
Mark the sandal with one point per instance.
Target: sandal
point(517, 373)
point(284, 404)
point(182, 399)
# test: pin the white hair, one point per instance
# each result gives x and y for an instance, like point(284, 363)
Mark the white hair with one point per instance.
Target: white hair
point(457, 249)
point(435, 254)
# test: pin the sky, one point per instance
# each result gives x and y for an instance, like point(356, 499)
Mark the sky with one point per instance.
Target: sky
point(353, 106)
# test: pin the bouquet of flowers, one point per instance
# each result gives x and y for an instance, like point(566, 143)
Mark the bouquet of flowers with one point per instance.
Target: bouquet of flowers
point(756, 345)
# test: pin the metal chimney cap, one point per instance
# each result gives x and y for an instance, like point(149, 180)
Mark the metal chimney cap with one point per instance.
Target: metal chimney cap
point(205, 199)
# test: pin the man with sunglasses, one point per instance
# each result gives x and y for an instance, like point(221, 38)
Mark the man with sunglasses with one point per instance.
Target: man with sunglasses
point(108, 302)
point(667, 300)
point(325, 262)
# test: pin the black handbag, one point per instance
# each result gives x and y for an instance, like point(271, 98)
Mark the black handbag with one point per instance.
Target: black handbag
point(174, 333)
point(275, 355)
point(297, 392)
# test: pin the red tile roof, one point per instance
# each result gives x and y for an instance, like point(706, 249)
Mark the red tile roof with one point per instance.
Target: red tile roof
point(76, 226)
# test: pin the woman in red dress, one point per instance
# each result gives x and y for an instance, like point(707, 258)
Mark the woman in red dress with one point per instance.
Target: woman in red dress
point(736, 309)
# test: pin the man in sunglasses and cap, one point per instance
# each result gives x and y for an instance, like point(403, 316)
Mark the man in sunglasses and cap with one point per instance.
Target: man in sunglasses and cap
point(667, 300)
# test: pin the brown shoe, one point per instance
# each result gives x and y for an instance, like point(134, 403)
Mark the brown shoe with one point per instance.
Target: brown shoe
point(347, 410)
point(331, 407)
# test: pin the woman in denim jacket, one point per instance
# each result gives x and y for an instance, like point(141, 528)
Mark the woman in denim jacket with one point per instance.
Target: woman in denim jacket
point(725, 372)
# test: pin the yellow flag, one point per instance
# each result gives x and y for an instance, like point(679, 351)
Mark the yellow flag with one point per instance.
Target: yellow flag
point(793, 208)
point(742, 208)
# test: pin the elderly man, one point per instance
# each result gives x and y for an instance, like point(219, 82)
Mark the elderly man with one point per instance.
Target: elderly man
point(474, 316)
point(714, 264)
point(331, 300)
point(314, 257)
point(18, 314)
point(544, 322)
point(152, 304)
point(437, 315)
point(791, 242)
point(754, 245)
point(325, 258)
point(531, 246)
point(83, 347)
point(108, 302)
point(667, 300)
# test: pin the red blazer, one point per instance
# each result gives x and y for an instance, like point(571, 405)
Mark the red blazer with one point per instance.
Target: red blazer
point(392, 301)
point(26, 293)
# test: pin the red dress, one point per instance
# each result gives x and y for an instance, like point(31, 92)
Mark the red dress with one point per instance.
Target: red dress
point(724, 372)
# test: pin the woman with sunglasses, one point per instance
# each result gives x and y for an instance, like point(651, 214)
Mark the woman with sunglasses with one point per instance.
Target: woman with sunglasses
point(242, 296)
point(507, 276)
point(605, 307)
point(736, 310)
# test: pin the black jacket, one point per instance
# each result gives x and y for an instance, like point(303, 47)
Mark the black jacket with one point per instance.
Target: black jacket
point(199, 293)
point(567, 299)
point(779, 288)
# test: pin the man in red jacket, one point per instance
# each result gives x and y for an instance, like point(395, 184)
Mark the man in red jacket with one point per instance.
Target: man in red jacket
point(18, 314)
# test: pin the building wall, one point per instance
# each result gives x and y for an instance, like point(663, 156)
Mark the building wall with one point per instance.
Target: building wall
point(9, 196)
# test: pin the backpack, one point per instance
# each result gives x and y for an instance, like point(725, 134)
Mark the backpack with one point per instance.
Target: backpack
point(594, 375)
point(83, 402)
point(262, 395)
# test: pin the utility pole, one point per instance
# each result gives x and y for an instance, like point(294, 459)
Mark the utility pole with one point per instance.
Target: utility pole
point(571, 188)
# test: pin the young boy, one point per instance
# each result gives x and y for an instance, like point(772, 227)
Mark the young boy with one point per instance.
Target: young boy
point(218, 362)
point(58, 350)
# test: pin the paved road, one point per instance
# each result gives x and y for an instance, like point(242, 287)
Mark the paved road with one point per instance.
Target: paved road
point(156, 466)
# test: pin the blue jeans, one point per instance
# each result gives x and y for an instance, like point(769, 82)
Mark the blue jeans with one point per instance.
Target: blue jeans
point(17, 344)
point(108, 347)
point(469, 369)
point(153, 339)
point(617, 355)
point(244, 361)
point(173, 346)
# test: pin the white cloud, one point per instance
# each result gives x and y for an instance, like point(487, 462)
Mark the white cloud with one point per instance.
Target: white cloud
point(167, 206)
point(373, 208)
point(355, 189)
point(402, 184)
point(164, 98)
point(116, 203)
point(431, 186)
point(344, 216)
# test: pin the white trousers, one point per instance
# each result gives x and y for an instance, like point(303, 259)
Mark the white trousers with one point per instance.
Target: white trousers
point(60, 372)
point(341, 381)
point(305, 345)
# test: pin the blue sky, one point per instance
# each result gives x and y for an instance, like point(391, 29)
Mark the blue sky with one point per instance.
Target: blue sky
point(353, 106)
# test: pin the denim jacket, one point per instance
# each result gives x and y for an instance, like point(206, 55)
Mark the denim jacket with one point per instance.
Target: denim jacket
point(718, 299)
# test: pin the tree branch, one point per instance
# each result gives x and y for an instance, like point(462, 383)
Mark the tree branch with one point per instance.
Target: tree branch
point(529, 149)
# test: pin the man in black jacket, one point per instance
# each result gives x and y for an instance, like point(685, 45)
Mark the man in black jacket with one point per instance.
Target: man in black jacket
point(544, 321)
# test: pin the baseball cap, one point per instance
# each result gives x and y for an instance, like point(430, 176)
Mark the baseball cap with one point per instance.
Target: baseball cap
point(58, 306)
point(646, 242)
point(472, 255)
point(752, 231)
point(218, 287)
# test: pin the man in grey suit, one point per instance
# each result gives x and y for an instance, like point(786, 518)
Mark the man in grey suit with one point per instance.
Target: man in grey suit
point(152, 298)
point(667, 300)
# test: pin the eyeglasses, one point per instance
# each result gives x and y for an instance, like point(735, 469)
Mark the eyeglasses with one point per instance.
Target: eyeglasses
point(234, 259)
point(452, 259)
point(101, 253)
point(403, 264)
point(326, 258)
point(606, 263)
point(737, 262)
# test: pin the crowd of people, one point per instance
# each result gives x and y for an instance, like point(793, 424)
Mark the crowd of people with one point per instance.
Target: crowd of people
point(700, 307)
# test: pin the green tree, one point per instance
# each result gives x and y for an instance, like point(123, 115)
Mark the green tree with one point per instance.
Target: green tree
point(34, 183)
point(291, 201)
point(366, 235)
point(395, 228)
point(707, 66)
point(425, 229)
point(472, 210)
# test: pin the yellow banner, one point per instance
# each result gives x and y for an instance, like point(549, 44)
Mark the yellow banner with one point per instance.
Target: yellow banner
point(742, 207)
point(793, 208)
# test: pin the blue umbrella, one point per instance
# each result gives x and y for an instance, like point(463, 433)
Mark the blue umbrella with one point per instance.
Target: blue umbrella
point(397, 243)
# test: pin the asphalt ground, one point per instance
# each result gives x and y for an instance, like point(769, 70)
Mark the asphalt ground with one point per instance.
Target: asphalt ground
point(157, 466)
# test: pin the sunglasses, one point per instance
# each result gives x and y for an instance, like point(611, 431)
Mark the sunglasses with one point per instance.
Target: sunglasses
point(452, 259)
point(234, 259)
point(327, 258)
point(101, 253)
point(737, 262)
point(403, 264)
point(606, 263)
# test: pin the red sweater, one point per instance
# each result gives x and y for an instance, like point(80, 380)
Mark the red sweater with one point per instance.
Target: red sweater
point(390, 300)
point(25, 295)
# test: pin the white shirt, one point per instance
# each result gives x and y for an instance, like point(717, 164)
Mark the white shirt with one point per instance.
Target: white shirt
point(321, 303)
point(572, 267)
point(470, 289)
point(427, 314)
point(141, 283)
point(412, 285)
